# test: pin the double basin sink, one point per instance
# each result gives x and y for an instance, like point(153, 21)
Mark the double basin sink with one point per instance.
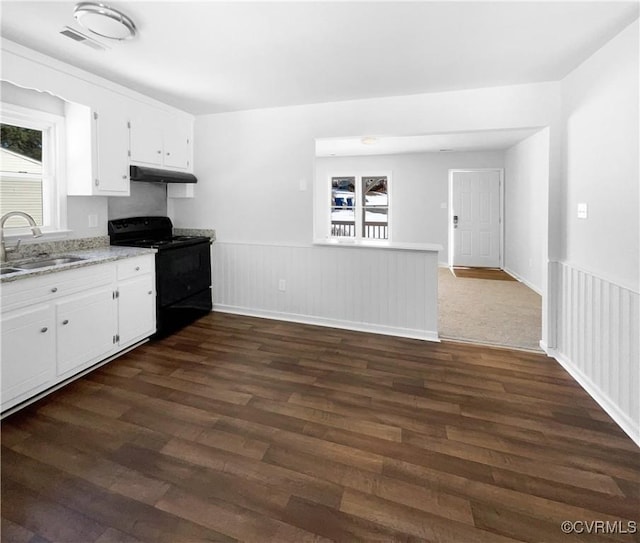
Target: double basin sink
point(38, 263)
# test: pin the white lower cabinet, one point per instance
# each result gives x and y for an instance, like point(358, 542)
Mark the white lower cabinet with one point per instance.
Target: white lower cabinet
point(86, 329)
point(136, 316)
point(57, 325)
point(28, 339)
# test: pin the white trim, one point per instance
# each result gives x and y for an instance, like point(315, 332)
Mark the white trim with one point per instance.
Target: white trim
point(450, 210)
point(361, 244)
point(375, 244)
point(359, 207)
point(635, 289)
point(47, 235)
point(426, 335)
point(619, 417)
point(54, 193)
point(522, 280)
point(22, 52)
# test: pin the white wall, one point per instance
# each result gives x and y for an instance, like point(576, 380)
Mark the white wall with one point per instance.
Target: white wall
point(380, 290)
point(251, 165)
point(596, 281)
point(419, 185)
point(256, 168)
point(526, 174)
point(601, 112)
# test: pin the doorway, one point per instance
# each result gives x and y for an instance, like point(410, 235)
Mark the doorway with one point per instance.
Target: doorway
point(479, 302)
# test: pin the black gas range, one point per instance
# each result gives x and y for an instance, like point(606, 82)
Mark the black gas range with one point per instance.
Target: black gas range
point(183, 268)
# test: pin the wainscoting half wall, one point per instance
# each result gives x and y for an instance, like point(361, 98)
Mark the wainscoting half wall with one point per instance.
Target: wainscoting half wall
point(382, 290)
point(598, 341)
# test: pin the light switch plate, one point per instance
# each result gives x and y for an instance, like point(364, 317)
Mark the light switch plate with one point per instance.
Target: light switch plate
point(582, 211)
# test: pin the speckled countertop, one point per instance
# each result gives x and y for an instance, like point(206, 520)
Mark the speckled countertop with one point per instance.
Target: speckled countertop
point(95, 255)
point(207, 232)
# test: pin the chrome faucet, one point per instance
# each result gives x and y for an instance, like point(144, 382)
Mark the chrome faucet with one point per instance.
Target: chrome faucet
point(34, 228)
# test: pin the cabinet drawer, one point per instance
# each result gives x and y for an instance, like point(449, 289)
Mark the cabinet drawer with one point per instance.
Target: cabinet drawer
point(55, 285)
point(132, 267)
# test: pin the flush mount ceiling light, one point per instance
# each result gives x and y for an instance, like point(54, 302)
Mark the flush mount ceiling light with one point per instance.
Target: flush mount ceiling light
point(369, 140)
point(104, 21)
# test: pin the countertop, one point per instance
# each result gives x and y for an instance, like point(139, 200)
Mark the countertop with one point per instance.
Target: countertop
point(97, 255)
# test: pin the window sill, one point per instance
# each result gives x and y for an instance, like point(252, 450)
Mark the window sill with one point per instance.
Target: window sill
point(374, 244)
point(27, 238)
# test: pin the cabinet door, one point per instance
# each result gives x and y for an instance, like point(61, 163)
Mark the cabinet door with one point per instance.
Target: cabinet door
point(176, 144)
point(145, 142)
point(86, 328)
point(28, 352)
point(112, 146)
point(136, 308)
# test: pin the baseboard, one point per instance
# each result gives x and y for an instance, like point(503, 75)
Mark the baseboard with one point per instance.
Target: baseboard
point(523, 280)
point(620, 418)
point(426, 335)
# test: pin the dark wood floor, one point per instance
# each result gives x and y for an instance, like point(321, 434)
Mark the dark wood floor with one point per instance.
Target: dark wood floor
point(483, 273)
point(256, 430)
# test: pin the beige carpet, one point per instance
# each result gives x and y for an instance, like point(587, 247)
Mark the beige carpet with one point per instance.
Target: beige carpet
point(486, 311)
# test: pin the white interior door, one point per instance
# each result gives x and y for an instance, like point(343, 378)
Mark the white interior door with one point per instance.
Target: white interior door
point(475, 223)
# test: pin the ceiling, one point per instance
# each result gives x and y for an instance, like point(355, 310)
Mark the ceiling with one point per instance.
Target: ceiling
point(210, 57)
point(486, 140)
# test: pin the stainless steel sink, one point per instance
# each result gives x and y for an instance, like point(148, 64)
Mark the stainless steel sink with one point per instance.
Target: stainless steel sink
point(8, 270)
point(48, 262)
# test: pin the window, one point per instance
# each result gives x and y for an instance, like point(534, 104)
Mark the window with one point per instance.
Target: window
point(360, 206)
point(29, 164)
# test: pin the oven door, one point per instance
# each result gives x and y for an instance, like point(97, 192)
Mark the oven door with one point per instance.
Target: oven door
point(182, 272)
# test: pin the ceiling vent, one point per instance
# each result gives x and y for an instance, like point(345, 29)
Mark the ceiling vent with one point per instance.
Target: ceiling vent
point(81, 38)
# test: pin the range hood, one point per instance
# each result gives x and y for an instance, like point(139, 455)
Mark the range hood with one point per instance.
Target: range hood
point(155, 175)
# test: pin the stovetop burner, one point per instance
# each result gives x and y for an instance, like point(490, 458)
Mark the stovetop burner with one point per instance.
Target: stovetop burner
point(152, 232)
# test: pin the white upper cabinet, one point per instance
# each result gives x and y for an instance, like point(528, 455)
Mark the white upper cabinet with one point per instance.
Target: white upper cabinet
point(107, 126)
point(160, 141)
point(111, 142)
point(97, 146)
point(145, 141)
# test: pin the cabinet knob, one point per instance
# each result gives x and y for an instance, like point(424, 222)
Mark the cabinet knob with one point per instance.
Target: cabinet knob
point(54, 289)
point(159, 152)
point(97, 182)
point(150, 292)
point(137, 268)
point(65, 321)
point(125, 176)
point(168, 154)
point(43, 329)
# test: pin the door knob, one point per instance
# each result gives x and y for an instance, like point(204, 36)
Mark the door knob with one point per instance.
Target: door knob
point(65, 321)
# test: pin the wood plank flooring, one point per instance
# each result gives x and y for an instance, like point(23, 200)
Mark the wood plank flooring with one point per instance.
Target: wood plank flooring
point(482, 273)
point(243, 429)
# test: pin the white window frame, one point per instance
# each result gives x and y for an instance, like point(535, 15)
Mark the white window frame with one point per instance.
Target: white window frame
point(359, 205)
point(54, 194)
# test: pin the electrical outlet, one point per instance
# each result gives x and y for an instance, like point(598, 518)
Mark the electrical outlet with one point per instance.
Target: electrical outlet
point(282, 285)
point(93, 221)
point(582, 211)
